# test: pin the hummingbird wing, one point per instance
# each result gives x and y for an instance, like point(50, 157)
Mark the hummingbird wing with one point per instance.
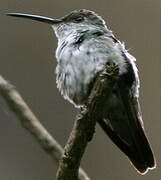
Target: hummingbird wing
point(123, 123)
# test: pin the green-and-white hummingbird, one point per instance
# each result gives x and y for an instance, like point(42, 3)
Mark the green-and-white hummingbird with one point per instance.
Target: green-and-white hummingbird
point(85, 45)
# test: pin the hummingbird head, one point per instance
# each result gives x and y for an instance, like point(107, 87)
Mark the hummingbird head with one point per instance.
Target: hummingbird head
point(79, 20)
point(83, 17)
point(76, 20)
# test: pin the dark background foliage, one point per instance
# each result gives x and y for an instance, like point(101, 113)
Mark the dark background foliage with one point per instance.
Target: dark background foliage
point(27, 59)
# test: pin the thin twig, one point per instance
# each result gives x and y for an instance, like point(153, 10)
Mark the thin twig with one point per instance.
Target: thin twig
point(84, 126)
point(29, 121)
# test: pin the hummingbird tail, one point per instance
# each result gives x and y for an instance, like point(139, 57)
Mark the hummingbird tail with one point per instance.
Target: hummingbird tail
point(140, 155)
point(123, 124)
point(143, 158)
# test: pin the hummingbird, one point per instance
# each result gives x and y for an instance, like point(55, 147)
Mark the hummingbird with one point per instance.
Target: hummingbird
point(85, 46)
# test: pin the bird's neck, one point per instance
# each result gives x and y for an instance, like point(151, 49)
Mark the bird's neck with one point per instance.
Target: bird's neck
point(70, 33)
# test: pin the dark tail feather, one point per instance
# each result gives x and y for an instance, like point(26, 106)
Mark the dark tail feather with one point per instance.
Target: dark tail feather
point(125, 128)
point(144, 158)
point(140, 164)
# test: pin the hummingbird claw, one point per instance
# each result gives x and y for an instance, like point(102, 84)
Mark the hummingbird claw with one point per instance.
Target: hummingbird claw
point(111, 69)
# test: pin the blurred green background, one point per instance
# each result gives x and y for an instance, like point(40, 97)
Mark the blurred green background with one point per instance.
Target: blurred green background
point(27, 59)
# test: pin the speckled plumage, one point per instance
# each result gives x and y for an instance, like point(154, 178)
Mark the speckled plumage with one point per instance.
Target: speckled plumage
point(81, 53)
point(83, 50)
point(85, 45)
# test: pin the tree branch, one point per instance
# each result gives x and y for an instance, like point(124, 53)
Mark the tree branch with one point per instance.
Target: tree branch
point(84, 126)
point(29, 121)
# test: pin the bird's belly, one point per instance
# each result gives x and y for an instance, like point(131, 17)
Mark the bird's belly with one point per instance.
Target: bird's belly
point(78, 66)
point(74, 80)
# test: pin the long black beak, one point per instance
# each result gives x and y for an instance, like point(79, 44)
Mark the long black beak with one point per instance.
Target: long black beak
point(36, 17)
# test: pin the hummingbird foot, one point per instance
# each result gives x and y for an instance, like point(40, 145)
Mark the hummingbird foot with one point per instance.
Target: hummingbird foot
point(111, 69)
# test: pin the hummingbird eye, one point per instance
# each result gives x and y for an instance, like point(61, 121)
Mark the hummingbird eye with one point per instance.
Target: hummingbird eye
point(79, 19)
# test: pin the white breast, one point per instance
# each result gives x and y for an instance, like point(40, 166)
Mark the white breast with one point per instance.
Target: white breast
point(79, 64)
